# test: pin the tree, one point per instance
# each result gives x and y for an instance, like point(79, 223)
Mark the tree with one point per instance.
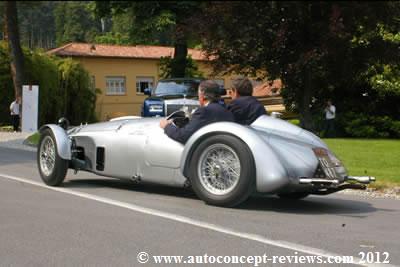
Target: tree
point(149, 17)
point(36, 23)
point(317, 48)
point(75, 22)
point(12, 35)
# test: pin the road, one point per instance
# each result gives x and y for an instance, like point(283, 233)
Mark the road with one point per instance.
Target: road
point(93, 220)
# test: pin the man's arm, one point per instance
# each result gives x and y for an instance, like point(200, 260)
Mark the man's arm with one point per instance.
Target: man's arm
point(182, 134)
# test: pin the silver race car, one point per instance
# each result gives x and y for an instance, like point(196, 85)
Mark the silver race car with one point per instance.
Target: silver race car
point(223, 162)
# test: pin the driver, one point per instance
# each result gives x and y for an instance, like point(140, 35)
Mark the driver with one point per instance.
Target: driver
point(208, 112)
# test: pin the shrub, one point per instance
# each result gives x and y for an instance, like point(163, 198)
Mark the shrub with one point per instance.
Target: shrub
point(367, 126)
point(294, 121)
point(64, 87)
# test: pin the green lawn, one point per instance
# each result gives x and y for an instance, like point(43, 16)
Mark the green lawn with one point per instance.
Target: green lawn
point(374, 157)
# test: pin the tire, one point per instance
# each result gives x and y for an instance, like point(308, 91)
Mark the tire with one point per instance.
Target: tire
point(52, 167)
point(234, 161)
point(294, 195)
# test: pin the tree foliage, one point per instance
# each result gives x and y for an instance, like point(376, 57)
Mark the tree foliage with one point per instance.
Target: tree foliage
point(158, 22)
point(75, 22)
point(166, 66)
point(64, 88)
point(36, 23)
point(318, 49)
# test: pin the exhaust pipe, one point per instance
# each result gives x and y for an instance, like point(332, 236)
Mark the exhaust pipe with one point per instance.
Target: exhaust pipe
point(361, 179)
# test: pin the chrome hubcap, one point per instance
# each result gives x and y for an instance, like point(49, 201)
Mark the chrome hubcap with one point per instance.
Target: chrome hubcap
point(219, 169)
point(47, 156)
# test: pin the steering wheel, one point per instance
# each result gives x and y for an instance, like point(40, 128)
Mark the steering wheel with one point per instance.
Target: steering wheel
point(176, 114)
point(178, 118)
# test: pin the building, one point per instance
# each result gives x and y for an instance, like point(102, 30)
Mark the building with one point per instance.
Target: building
point(123, 72)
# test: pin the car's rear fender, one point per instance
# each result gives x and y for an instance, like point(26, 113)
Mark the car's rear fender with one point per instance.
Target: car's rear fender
point(271, 175)
point(62, 140)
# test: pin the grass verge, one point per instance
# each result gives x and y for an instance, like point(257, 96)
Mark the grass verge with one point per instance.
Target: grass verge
point(33, 139)
point(373, 157)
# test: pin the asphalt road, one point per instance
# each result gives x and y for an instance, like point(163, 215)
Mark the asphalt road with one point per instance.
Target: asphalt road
point(97, 221)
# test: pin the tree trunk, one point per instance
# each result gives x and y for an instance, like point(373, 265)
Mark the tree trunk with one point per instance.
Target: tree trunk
point(179, 62)
point(305, 112)
point(16, 55)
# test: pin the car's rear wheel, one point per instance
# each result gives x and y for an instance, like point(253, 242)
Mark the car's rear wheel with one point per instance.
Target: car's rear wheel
point(294, 195)
point(222, 171)
point(52, 167)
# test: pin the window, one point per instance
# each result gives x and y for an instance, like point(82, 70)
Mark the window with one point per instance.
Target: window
point(115, 85)
point(143, 83)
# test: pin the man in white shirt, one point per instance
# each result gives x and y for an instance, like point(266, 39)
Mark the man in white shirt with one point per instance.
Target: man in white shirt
point(330, 114)
point(15, 113)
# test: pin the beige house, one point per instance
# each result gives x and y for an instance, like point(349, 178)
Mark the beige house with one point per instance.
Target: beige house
point(123, 72)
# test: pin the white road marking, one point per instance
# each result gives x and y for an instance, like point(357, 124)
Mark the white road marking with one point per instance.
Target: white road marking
point(187, 220)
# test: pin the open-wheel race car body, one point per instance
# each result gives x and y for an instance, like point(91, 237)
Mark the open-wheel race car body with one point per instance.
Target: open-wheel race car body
point(223, 162)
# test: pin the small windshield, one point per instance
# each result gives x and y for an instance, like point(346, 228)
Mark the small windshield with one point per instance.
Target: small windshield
point(188, 88)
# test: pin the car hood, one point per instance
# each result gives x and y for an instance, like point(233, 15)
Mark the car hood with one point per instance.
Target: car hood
point(114, 125)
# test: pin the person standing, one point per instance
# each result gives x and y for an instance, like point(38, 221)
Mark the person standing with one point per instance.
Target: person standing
point(330, 115)
point(15, 113)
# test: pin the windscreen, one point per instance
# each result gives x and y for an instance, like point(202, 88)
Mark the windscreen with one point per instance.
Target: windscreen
point(188, 88)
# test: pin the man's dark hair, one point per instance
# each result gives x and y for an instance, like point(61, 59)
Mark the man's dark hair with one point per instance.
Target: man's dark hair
point(211, 90)
point(243, 86)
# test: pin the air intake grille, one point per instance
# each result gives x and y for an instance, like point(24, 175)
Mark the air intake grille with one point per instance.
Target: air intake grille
point(100, 158)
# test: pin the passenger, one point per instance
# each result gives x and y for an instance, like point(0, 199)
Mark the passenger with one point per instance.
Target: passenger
point(208, 112)
point(244, 107)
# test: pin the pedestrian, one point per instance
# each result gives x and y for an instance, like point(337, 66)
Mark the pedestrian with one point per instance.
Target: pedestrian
point(330, 115)
point(15, 113)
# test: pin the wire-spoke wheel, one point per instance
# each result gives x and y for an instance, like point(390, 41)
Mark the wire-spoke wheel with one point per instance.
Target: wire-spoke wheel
point(219, 169)
point(222, 171)
point(47, 155)
point(52, 167)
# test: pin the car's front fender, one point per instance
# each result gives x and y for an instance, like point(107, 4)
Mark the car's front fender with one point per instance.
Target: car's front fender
point(271, 175)
point(62, 140)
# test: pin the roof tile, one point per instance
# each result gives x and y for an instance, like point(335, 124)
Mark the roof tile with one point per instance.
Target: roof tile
point(104, 50)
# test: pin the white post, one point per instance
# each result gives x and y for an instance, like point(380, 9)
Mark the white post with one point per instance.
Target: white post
point(30, 107)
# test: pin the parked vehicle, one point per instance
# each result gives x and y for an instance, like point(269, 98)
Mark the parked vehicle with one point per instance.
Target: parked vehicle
point(224, 162)
point(171, 95)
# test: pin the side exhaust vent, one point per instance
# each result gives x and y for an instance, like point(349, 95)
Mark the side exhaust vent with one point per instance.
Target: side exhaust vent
point(100, 158)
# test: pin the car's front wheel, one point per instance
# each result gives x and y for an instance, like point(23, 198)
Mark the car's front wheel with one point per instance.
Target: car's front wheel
point(52, 167)
point(222, 171)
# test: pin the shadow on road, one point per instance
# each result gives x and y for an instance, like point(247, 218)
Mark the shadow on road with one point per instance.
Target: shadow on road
point(129, 186)
point(312, 205)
